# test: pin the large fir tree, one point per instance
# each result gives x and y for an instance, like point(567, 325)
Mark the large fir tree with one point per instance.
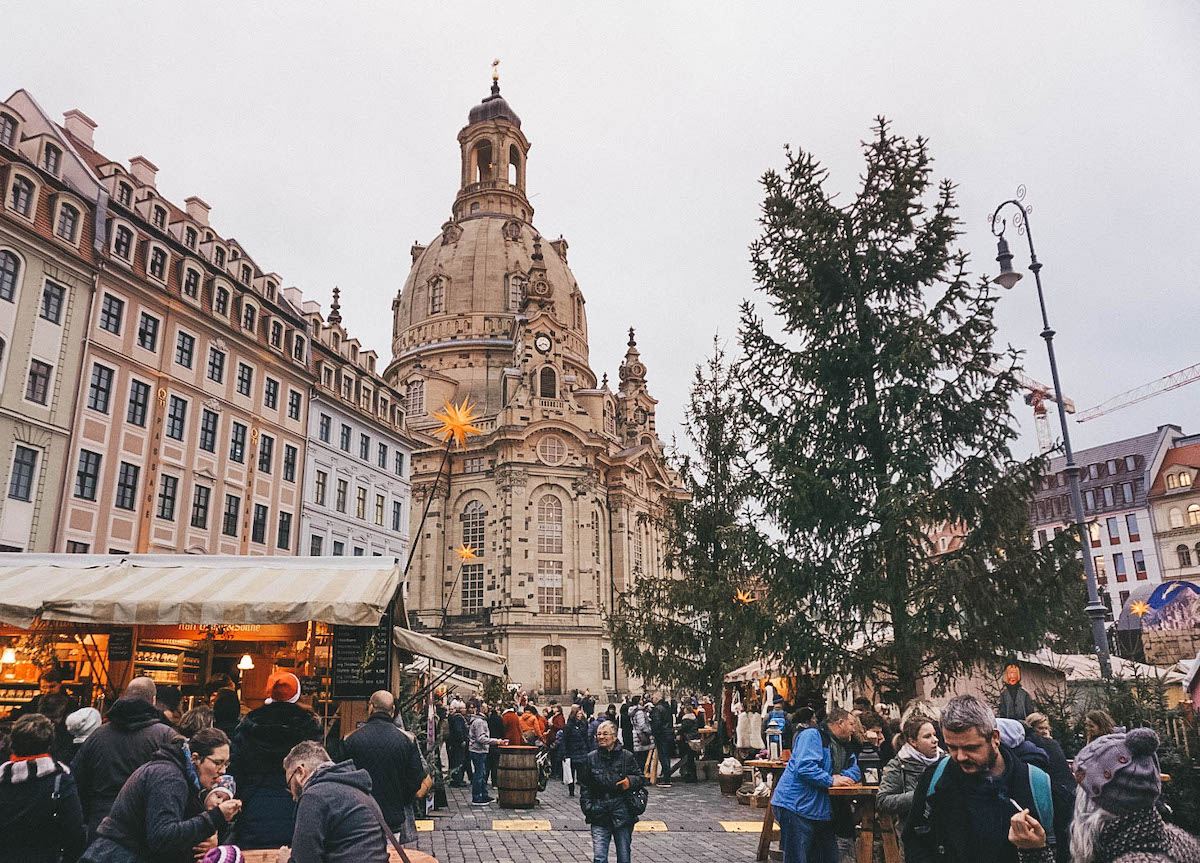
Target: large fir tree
point(877, 415)
point(689, 627)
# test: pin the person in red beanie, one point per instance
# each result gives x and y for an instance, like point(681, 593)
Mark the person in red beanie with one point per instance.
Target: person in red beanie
point(262, 739)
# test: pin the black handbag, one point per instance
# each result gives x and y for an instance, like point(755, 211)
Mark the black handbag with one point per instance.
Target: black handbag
point(638, 800)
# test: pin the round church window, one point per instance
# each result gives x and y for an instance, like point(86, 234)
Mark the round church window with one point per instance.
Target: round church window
point(551, 450)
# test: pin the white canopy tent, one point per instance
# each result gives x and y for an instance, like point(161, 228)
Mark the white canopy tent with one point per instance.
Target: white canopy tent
point(194, 589)
point(450, 652)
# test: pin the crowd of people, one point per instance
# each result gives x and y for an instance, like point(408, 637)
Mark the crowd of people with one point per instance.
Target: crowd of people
point(967, 786)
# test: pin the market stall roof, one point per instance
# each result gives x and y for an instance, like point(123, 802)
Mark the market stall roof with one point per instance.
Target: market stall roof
point(450, 652)
point(1084, 666)
point(193, 589)
point(453, 682)
point(759, 669)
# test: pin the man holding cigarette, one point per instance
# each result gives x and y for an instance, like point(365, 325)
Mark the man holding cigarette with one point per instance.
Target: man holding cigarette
point(963, 805)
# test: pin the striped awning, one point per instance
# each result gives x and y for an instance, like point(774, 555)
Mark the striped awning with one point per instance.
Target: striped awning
point(191, 589)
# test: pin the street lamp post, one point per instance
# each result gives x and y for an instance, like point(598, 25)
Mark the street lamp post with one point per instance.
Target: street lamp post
point(1007, 278)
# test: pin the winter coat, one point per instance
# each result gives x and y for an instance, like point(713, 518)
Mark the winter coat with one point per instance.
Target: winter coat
point(575, 741)
point(1138, 837)
point(512, 728)
point(531, 723)
point(36, 828)
point(458, 730)
point(643, 740)
point(626, 726)
point(1059, 770)
point(602, 802)
point(158, 816)
point(897, 784)
point(262, 739)
point(1015, 703)
point(660, 720)
point(335, 819)
point(496, 725)
point(392, 761)
point(588, 705)
point(689, 729)
point(937, 828)
point(135, 730)
point(804, 786)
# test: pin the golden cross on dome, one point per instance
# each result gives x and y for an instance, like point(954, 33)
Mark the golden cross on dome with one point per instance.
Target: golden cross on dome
point(496, 70)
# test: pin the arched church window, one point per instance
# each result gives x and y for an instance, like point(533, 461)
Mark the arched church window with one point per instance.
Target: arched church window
point(547, 383)
point(474, 518)
point(414, 398)
point(516, 292)
point(437, 297)
point(550, 525)
point(514, 165)
point(482, 156)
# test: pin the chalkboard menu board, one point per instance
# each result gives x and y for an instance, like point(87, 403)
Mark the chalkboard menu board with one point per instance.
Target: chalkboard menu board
point(362, 659)
point(120, 644)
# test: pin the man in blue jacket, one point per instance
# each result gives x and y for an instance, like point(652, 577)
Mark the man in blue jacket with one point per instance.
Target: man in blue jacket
point(801, 799)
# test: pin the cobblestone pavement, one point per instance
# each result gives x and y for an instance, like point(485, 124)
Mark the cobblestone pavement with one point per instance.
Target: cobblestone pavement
point(682, 822)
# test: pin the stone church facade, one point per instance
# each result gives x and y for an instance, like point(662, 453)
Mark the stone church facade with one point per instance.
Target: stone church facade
point(563, 494)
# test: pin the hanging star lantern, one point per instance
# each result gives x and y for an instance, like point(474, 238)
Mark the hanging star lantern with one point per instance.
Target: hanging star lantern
point(1139, 608)
point(457, 422)
point(466, 552)
point(745, 597)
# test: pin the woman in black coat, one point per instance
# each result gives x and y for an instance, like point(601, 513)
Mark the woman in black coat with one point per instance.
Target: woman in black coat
point(159, 814)
point(40, 817)
point(612, 794)
point(575, 746)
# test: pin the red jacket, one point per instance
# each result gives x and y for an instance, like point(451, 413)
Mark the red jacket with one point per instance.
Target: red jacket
point(512, 727)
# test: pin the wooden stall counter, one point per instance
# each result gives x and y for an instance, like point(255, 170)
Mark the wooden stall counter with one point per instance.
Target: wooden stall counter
point(267, 855)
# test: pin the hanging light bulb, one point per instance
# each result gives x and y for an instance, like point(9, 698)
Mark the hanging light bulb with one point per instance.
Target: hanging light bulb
point(246, 663)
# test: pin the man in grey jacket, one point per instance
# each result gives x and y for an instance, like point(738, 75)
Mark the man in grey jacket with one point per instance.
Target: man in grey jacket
point(479, 743)
point(337, 819)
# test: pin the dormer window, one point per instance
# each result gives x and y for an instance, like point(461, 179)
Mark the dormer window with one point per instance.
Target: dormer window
point(371, 364)
point(191, 283)
point(8, 130)
point(437, 297)
point(353, 354)
point(328, 377)
point(221, 301)
point(219, 257)
point(246, 274)
point(347, 388)
point(249, 316)
point(158, 264)
point(22, 196)
point(189, 237)
point(159, 217)
point(68, 223)
point(337, 342)
point(298, 348)
point(234, 254)
point(52, 159)
point(271, 291)
point(125, 194)
point(123, 242)
point(276, 334)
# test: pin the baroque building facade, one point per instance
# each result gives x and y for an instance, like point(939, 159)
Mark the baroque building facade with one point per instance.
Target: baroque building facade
point(563, 494)
point(356, 488)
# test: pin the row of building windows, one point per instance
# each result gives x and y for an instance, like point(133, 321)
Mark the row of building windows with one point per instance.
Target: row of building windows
point(1108, 468)
point(346, 442)
point(1183, 479)
point(1119, 568)
point(321, 490)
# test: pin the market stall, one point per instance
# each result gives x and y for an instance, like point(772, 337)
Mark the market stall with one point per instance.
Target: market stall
point(180, 619)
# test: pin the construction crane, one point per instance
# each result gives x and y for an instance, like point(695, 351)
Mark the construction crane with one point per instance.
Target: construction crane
point(1037, 395)
point(1165, 384)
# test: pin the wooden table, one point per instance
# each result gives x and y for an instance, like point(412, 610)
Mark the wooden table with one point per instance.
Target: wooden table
point(267, 855)
point(868, 821)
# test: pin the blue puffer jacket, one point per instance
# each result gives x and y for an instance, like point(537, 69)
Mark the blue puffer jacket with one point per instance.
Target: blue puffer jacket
point(804, 786)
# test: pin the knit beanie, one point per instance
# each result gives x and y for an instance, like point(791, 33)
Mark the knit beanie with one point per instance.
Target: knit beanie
point(82, 722)
point(223, 854)
point(1120, 771)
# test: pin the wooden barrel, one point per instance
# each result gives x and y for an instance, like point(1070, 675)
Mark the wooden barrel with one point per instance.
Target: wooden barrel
point(516, 780)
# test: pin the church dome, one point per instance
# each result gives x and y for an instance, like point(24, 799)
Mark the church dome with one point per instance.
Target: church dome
point(493, 108)
point(469, 284)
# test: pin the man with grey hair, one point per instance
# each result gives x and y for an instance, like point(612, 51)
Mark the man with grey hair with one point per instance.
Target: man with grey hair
point(135, 730)
point(963, 804)
point(337, 819)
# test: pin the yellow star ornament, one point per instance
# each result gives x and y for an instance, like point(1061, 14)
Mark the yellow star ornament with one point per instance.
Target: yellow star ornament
point(466, 552)
point(745, 597)
point(457, 422)
point(1139, 608)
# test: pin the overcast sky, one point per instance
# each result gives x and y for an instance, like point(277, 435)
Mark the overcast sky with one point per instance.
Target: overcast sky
point(323, 136)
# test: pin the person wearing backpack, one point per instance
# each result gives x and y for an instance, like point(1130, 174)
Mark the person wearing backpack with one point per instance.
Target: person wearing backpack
point(962, 805)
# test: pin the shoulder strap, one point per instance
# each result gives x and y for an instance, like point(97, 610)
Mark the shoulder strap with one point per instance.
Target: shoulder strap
point(1043, 799)
point(937, 774)
point(391, 837)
